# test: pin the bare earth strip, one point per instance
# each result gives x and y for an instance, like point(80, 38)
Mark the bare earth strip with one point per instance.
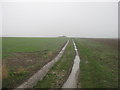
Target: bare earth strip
point(43, 71)
point(72, 79)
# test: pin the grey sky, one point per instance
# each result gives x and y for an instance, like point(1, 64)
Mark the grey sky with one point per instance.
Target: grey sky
point(47, 19)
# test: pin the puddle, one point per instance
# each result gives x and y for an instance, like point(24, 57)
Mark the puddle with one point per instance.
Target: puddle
point(43, 71)
point(72, 79)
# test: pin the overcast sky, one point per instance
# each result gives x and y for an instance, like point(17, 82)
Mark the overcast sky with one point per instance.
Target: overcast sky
point(51, 19)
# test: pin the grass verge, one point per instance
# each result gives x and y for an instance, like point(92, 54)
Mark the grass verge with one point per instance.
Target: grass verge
point(99, 64)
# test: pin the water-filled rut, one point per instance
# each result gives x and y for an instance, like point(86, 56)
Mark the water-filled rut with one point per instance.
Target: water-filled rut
point(72, 79)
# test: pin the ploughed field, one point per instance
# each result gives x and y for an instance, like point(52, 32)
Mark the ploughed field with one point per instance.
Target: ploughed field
point(99, 63)
point(22, 57)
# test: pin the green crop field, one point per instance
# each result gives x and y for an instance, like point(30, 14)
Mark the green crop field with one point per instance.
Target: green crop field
point(22, 57)
point(11, 45)
point(99, 63)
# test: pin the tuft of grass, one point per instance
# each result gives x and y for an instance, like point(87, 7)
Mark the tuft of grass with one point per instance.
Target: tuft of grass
point(14, 78)
point(99, 65)
point(60, 71)
point(4, 72)
point(21, 70)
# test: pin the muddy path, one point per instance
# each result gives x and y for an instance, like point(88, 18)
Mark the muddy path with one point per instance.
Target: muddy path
point(43, 71)
point(73, 77)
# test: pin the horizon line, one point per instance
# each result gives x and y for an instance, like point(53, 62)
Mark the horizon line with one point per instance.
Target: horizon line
point(58, 37)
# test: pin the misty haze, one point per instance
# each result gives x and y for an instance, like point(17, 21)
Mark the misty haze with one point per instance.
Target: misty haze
point(51, 19)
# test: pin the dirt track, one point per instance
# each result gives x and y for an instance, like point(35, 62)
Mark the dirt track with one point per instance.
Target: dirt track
point(43, 71)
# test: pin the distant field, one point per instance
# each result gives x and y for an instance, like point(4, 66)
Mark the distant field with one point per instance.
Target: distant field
point(12, 45)
point(99, 63)
point(24, 56)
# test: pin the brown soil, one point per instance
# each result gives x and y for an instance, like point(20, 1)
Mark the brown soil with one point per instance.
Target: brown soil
point(27, 59)
point(30, 62)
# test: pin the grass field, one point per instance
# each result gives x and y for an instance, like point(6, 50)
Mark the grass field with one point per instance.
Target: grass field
point(12, 45)
point(99, 63)
point(60, 71)
point(22, 57)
